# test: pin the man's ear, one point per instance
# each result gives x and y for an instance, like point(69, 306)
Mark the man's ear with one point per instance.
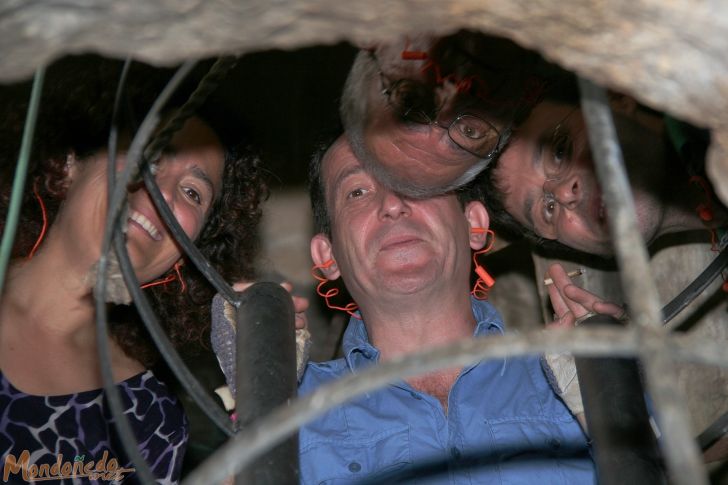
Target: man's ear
point(477, 216)
point(323, 256)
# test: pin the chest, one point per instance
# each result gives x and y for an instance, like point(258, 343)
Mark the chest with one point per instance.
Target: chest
point(400, 427)
point(436, 384)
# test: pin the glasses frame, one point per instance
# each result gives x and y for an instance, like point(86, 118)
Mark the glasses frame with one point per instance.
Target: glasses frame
point(388, 87)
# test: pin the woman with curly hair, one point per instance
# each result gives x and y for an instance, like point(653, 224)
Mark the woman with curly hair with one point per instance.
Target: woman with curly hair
point(51, 397)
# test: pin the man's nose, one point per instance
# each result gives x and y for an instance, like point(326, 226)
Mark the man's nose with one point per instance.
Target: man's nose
point(393, 205)
point(566, 190)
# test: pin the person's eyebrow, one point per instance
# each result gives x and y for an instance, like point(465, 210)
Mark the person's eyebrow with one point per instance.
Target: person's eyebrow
point(197, 172)
point(343, 175)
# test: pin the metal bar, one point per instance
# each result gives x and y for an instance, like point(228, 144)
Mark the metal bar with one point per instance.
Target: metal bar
point(251, 442)
point(681, 452)
point(616, 415)
point(21, 172)
point(266, 375)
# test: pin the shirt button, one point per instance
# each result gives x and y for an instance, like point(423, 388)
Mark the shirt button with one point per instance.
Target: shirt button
point(455, 453)
point(555, 444)
point(415, 395)
point(354, 467)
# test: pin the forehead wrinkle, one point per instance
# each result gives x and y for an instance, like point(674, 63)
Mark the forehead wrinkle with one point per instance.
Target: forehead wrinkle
point(343, 175)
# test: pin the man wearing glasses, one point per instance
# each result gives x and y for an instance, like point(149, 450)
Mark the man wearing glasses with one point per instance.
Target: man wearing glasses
point(416, 113)
point(542, 181)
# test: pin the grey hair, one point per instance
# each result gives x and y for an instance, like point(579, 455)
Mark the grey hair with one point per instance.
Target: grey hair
point(354, 106)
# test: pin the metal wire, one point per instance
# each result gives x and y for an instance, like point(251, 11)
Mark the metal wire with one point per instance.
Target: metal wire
point(114, 131)
point(207, 84)
point(165, 347)
point(116, 203)
point(682, 455)
point(117, 198)
point(251, 442)
point(21, 172)
point(181, 237)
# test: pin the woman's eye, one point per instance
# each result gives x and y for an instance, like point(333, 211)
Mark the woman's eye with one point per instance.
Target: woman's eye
point(193, 195)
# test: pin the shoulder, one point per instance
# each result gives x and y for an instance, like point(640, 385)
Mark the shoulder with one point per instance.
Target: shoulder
point(159, 422)
point(319, 373)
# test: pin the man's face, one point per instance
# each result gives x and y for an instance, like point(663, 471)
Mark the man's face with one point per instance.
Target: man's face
point(386, 245)
point(421, 156)
point(569, 208)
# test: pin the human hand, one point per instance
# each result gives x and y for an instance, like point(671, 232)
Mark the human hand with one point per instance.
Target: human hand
point(300, 304)
point(573, 304)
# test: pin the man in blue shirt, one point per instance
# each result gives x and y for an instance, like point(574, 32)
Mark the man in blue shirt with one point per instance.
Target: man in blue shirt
point(406, 263)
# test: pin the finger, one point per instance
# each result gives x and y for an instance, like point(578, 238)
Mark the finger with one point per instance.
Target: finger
point(562, 322)
point(581, 300)
point(288, 286)
point(301, 321)
point(300, 304)
point(609, 308)
point(558, 275)
point(557, 301)
point(592, 302)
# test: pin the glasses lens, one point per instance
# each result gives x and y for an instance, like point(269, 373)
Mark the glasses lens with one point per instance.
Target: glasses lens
point(412, 101)
point(474, 135)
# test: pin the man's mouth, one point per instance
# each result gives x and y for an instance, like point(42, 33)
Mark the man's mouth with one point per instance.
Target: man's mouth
point(142, 221)
point(399, 242)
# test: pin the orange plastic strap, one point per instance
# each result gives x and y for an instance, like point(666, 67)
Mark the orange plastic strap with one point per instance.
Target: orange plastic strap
point(350, 308)
point(45, 221)
point(485, 281)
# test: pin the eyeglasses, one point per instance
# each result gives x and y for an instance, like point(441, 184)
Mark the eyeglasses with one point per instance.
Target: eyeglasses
point(415, 102)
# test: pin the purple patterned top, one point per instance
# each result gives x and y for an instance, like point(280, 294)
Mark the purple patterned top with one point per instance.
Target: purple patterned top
point(79, 427)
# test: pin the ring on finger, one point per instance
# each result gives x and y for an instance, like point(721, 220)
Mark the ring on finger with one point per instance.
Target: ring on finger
point(583, 317)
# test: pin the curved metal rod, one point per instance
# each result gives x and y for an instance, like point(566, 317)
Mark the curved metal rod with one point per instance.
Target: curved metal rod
point(165, 347)
point(208, 83)
point(682, 455)
point(699, 284)
point(221, 286)
point(117, 198)
point(114, 131)
point(116, 203)
point(251, 442)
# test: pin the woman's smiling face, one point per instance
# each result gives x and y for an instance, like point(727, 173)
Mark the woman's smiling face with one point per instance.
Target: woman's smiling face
point(189, 175)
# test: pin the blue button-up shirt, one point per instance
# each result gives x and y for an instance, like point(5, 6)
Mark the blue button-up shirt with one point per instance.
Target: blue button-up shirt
point(504, 425)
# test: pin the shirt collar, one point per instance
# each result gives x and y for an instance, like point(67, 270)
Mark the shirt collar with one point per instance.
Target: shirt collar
point(359, 352)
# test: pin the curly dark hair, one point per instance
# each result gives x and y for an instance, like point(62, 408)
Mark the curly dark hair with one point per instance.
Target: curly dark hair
point(75, 117)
